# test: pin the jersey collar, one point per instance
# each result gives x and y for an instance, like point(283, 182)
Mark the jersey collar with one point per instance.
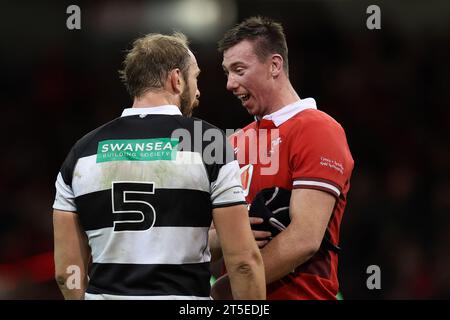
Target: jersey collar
point(285, 113)
point(165, 109)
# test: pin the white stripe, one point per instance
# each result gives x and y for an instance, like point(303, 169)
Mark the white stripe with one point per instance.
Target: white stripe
point(277, 224)
point(90, 296)
point(157, 245)
point(64, 199)
point(273, 196)
point(164, 109)
point(279, 209)
point(318, 184)
point(186, 172)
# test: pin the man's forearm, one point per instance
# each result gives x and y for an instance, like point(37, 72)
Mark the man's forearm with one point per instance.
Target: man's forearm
point(281, 259)
point(214, 245)
point(247, 280)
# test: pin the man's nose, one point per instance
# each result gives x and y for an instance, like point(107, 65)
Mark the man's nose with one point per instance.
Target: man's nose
point(231, 83)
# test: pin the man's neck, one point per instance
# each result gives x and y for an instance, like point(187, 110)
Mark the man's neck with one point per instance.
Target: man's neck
point(153, 99)
point(283, 96)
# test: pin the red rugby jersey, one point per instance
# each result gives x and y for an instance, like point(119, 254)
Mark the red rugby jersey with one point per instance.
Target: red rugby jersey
point(299, 146)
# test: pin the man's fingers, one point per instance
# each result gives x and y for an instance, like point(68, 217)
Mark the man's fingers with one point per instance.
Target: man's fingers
point(261, 234)
point(256, 220)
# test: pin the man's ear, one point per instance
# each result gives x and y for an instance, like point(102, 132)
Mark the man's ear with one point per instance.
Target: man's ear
point(276, 65)
point(175, 80)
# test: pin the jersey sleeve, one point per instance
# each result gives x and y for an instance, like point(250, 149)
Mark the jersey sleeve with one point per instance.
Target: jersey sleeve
point(65, 198)
point(226, 186)
point(320, 157)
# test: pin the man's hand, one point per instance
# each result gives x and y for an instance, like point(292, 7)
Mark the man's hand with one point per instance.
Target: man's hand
point(269, 213)
point(262, 237)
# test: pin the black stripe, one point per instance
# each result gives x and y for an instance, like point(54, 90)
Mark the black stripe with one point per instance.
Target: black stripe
point(229, 204)
point(131, 127)
point(149, 127)
point(173, 207)
point(155, 126)
point(148, 280)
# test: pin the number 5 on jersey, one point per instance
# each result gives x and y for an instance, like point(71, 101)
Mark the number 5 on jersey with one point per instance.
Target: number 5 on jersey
point(131, 206)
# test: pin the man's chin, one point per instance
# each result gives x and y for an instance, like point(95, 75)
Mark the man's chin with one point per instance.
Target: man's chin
point(251, 111)
point(194, 105)
point(187, 112)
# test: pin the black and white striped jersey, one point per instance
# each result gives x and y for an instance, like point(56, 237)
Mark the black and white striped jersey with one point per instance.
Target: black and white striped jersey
point(144, 197)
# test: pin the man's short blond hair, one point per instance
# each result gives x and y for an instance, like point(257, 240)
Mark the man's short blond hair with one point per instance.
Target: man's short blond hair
point(148, 63)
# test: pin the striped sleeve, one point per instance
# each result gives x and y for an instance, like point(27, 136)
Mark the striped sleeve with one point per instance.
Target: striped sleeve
point(65, 198)
point(223, 171)
point(226, 190)
point(318, 184)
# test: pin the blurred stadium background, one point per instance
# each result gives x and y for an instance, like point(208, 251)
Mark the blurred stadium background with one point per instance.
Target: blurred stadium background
point(389, 88)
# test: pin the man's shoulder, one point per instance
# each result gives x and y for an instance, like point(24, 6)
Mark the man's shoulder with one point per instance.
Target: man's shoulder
point(312, 119)
point(313, 116)
point(85, 140)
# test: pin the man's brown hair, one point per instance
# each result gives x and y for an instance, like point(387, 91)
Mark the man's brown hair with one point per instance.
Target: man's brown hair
point(148, 63)
point(266, 34)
